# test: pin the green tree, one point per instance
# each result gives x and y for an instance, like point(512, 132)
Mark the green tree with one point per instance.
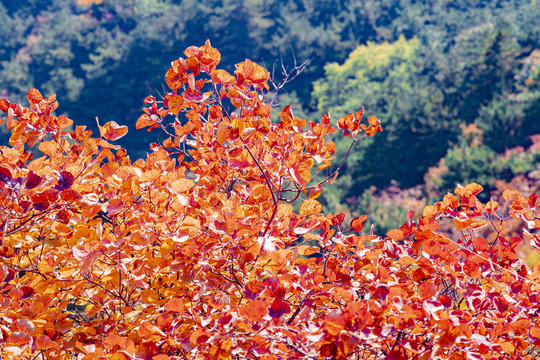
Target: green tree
point(387, 79)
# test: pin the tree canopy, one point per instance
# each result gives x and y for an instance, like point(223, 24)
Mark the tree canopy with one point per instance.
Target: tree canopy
point(215, 246)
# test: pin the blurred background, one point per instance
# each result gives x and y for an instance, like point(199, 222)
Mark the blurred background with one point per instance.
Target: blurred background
point(456, 83)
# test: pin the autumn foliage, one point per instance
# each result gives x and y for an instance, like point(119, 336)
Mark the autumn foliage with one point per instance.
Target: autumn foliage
point(197, 252)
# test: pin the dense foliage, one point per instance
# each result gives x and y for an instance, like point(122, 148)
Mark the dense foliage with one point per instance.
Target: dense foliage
point(429, 69)
point(195, 252)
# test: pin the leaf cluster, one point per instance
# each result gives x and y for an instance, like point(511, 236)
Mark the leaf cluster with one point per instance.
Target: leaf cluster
point(194, 251)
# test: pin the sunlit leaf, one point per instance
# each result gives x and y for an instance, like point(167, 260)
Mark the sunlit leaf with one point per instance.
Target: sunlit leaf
point(395, 234)
point(310, 207)
point(427, 290)
point(34, 96)
point(256, 310)
point(111, 131)
point(174, 305)
point(357, 224)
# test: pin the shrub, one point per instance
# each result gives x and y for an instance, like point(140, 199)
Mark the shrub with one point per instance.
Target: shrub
point(192, 252)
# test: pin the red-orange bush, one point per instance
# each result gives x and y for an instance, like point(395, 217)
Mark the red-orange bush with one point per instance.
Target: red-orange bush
point(196, 253)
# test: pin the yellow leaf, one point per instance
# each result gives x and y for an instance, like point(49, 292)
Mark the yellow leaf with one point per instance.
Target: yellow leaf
point(315, 192)
point(238, 123)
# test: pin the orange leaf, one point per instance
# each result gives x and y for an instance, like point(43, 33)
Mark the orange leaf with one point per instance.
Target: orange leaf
point(357, 224)
point(251, 73)
point(210, 57)
point(481, 244)
point(307, 250)
point(223, 132)
point(426, 290)
point(48, 148)
point(34, 96)
point(61, 229)
point(474, 188)
point(310, 207)
point(407, 260)
point(508, 194)
point(520, 326)
point(175, 104)
point(492, 206)
point(161, 357)
point(395, 234)
point(334, 323)
point(111, 131)
point(508, 347)
point(222, 77)
point(19, 338)
point(174, 305)
point(44, 342)
point(4, 106)
point(146, 120)
point(149, 296)
point(431, 247)
point(181, 185)
point(430, 211)
point(316, 191)
point(468, 223)
point(472, 268)
point(114, 207)
point(256, 310)
point(301, 173)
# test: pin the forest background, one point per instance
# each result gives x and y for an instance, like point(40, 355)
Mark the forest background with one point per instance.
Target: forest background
point(455, 83)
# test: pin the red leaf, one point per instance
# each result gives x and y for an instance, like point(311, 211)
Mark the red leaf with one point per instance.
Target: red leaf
point(278, 308)
point(338, 219)
point(410, 215)
point(27, 292)
point(4, 105)
point(516, 287)
point(532, 200)
point(65, 180)
point(326, 119)
point(5, 174)
point(472, 268)
point(32, 180)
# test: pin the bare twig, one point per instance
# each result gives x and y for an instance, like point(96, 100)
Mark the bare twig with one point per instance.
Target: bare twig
point(287, 76)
